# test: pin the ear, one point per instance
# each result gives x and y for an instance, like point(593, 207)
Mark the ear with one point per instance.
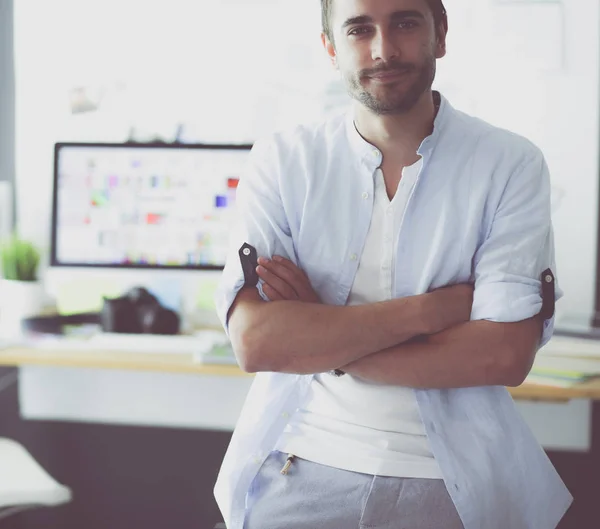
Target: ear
point(441, 32)
point(330, 49)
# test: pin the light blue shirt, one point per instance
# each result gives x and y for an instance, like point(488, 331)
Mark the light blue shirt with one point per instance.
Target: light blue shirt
point(479, 211)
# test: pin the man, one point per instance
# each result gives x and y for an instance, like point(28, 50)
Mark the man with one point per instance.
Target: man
point(402, 248)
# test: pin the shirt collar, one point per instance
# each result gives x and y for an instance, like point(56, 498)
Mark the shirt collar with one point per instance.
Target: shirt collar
point(371, 155)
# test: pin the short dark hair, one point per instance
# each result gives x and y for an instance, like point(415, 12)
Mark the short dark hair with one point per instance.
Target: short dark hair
point(440, 15)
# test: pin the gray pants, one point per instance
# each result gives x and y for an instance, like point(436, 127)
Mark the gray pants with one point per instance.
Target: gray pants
point(314, 496)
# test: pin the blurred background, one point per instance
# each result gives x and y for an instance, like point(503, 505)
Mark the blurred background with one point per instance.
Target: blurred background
point(124, 128)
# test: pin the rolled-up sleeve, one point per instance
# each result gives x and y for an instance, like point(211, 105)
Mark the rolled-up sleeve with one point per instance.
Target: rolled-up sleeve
point(260, 221)
point(518, 249)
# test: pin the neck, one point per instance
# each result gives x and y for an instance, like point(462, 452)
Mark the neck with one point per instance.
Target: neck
point(398, 134)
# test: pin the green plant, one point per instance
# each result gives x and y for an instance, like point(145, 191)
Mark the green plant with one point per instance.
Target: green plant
point(20, 259)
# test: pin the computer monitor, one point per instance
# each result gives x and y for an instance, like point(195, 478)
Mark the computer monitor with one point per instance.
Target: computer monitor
point(165, 206)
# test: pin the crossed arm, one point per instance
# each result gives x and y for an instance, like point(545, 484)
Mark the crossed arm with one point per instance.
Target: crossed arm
point(424, 341)
point(478, 353)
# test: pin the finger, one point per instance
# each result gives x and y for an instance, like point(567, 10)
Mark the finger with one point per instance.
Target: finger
point(301, 284)
point(277, 283)
point(271, 293)
point(290, 277)
point(293, 275)
point(287, 263)
point(290, 266)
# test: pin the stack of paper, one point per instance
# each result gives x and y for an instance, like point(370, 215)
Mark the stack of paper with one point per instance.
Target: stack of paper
point(216, 349)
point(199, 344)
point(561, 367)
point(572, 347)
point(220, 354)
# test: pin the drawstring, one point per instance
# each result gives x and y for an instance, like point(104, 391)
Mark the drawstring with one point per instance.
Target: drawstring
point(288, 464)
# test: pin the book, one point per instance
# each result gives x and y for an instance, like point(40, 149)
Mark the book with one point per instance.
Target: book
point(556, 382)
point(219, 354)
point(568, 367)
point(571, 347)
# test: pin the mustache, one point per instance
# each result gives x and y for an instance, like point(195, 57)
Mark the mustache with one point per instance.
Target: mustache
point(399, 68)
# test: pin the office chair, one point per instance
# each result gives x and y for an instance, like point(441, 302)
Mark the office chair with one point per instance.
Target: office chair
point(24, 484)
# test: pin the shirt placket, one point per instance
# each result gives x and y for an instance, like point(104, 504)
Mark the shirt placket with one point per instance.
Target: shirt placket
point(399, 205)
point(387, 253)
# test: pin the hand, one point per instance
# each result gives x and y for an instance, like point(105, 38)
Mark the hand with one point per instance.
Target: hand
point(284, 281)
point(449, 306)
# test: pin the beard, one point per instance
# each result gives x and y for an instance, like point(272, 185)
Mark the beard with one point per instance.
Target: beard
point(391, 98)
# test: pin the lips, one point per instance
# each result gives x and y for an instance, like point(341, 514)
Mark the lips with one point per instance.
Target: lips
point(389, 75)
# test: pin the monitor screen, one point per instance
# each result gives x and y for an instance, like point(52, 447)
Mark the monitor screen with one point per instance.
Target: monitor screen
point(144, 205)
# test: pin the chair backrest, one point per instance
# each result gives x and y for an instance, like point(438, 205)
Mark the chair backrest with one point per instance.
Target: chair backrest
point(23, 482)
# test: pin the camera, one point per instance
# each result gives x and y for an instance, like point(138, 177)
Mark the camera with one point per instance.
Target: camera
point(138, 312)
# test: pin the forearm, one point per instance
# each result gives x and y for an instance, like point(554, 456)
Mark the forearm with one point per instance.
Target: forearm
point(297, 337)
point(473, 354)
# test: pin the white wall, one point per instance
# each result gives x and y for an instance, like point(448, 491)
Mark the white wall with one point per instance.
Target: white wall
point(533, 67)
point(236, 69)
point(7, 107)
point(225, 68)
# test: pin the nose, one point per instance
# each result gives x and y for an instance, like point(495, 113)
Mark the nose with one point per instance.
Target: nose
point(383, 47)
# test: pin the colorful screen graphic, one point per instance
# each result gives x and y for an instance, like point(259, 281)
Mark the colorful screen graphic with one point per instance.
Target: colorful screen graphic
point(142, 206)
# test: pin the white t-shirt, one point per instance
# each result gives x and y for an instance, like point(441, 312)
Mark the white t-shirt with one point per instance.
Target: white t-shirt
point(352, 424)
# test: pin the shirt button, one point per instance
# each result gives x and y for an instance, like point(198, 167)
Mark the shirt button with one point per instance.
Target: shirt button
point(375, 153)
point(353, 257)
point(285, 415)
point(365, 195)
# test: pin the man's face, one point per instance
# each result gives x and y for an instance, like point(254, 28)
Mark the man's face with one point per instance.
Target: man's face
point(386, 51)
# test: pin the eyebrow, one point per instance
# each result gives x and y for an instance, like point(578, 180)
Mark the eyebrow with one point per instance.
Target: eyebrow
point(396, 15)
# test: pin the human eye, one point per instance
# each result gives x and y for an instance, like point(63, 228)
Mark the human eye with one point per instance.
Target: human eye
point(408, 24)
point(359, 31)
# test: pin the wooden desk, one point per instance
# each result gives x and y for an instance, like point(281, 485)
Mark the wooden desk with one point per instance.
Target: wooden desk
point(587, 390)
point(126, 360)
point(184, 363)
